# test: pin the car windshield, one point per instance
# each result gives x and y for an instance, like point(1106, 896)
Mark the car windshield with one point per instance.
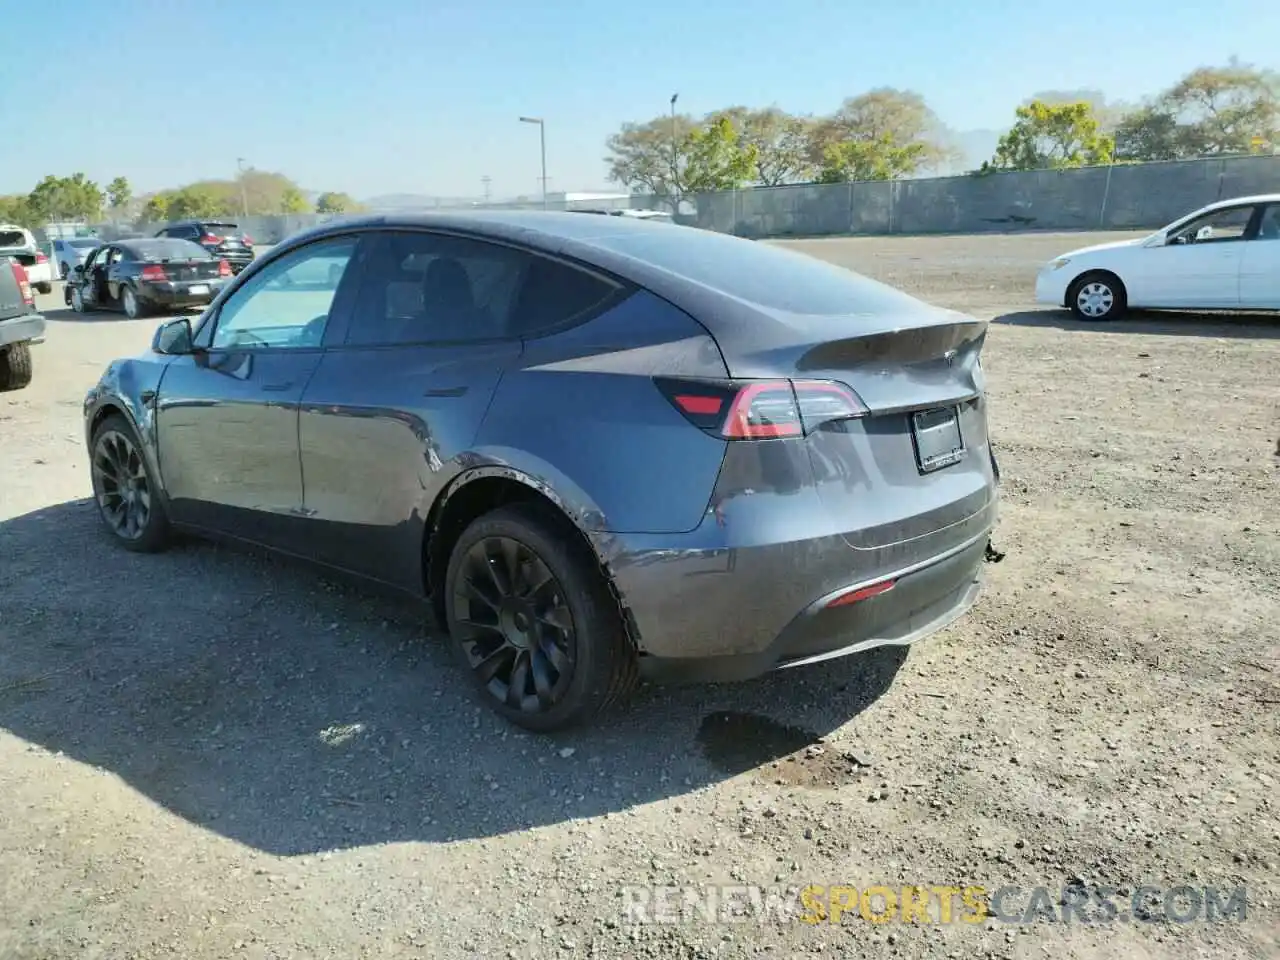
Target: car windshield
point(12, 238)
point(167, 249)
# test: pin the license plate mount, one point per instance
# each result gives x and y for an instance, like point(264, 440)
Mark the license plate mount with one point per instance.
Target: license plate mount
point(936, 436)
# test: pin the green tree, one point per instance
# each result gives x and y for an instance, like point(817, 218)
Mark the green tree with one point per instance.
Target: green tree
point(335, 202)
point(293, 201)
point(197, 201)
point(1150, 133)
point(1222, 109)
point(66, 198)
point(156, 208)
point(716, 158)
point(647, 157)
point(881, 159)
point(17, 210)
point(781, 141)
point(885, 115)
point(1052, 136)
point(119, 193)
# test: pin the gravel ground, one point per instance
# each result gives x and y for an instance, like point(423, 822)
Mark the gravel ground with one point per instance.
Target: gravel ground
point(212, 754)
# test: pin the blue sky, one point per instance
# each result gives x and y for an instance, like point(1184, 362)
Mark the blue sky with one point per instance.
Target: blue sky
point(423, 97)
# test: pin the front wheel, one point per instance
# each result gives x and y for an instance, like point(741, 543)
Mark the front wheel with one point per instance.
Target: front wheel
point(1097, 296)
point(124, 489)
point(77, 300)
point(534, 622)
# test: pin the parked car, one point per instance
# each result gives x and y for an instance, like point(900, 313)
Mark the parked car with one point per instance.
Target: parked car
point(18, 243)
point(656, 216)
point(1225, 256)
point(139, 276)
point(603, 452)
point(71, 252)
point(20, 325)
point(223, 239)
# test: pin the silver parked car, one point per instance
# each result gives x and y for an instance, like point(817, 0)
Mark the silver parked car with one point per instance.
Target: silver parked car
point(71, 252)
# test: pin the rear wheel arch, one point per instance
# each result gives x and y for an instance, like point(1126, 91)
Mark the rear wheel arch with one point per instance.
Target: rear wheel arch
point(482, 490)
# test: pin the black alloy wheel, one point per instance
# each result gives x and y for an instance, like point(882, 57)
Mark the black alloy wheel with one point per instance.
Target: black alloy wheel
point(520, 633)
point(122, 486)
point(533, 620)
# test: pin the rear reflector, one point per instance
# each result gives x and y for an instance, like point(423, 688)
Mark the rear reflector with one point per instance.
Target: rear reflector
point(862, 593)
point(24, 285)
point(224, 268)
point(761, 409)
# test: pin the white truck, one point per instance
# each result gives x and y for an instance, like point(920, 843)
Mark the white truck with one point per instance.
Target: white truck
point(18, 244)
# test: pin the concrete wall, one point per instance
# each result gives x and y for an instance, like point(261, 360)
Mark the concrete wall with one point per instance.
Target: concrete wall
point(1125, 196)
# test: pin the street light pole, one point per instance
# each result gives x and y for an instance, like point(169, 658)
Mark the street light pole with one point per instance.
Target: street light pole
point(675, 187)
point(542, 138)
point(244, 196)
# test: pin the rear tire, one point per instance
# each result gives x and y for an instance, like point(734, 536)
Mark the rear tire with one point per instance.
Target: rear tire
point(134, 308)
point(1098, 297)
point(523, 588)
point(15, 366)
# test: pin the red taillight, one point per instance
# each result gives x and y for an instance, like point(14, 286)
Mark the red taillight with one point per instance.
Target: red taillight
point(224, 268)
point(154, 273)
point(41, 258)
point(24, 286)
point(762, 409)
point(247, 240)
point(209, 238)
point(862, 593)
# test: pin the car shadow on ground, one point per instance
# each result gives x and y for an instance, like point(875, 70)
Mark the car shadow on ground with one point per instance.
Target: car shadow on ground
point(1236, 326)
point(255, 698)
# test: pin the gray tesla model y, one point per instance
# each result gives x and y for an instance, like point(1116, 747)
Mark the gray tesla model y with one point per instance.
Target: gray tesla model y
point(606, 449)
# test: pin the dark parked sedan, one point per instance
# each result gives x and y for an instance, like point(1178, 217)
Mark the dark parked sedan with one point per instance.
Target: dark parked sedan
point(604, 448)
point(139, 276)
point(224, 240)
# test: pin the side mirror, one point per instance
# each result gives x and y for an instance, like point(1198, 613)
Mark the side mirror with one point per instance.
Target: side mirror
point(174, 338)
point(78, 270)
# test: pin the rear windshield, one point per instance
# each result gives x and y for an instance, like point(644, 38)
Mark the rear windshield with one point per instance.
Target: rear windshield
point(167, 249)
point(12, 238)
point(759, 273)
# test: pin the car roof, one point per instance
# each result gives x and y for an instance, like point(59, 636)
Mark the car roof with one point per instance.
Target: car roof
point(709, 275)
point(1243, 201)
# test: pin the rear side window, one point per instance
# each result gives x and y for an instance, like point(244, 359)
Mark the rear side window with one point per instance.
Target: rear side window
point(13, 238)
point(425, 288)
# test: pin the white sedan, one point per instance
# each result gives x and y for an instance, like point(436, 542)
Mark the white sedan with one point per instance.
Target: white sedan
point(1225, 256)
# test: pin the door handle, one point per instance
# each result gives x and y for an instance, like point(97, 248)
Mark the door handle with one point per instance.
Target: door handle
point(277, 387)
